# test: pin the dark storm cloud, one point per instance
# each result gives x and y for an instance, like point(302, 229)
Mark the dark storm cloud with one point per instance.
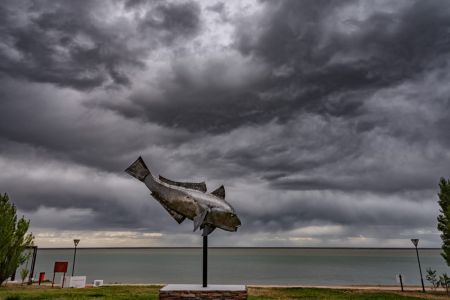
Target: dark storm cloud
point(219, 7)
point(88, 198)
point(381, 185)
point(379, 50)
point(333, 73)
point(70, 43)
point(314, 114)
point(169, 21)
point(54, 120)
point(310, 64)
point(221, 10)
point(131, 4)
point(303, 210)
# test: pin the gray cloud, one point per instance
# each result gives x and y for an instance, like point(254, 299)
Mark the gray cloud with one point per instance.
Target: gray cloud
point(71, 44)
point(310, 63)
point(169, 21)
point(325, 120)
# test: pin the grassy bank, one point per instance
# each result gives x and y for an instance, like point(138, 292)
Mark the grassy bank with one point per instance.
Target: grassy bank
point(151, 292)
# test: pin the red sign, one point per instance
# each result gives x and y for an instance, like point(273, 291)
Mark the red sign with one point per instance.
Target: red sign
point(60, 266)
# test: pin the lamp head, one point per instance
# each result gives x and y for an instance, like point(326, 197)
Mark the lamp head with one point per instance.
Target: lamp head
point(76, 241)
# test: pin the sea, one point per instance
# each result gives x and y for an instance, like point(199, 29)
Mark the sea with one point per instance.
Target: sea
point(252, 266)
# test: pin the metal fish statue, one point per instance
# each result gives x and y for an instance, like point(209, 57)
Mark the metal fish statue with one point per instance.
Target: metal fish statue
point(189, 200)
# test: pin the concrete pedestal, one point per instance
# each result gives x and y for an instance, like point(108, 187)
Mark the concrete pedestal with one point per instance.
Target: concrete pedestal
point(197, 292)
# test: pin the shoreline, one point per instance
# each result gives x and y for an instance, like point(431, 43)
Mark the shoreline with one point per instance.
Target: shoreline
point(340, 287)
point(391, 288)
point(218, 247)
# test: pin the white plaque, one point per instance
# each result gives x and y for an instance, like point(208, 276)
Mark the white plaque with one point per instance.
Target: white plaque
point(78, 282)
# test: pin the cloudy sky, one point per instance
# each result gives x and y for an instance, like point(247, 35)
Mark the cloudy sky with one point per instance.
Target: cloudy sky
point(328, 122)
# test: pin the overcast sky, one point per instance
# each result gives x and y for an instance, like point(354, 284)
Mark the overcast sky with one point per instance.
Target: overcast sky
point(328, 122)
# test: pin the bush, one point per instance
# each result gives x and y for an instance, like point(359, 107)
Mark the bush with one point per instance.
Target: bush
point(432, 278)
point(444, 281)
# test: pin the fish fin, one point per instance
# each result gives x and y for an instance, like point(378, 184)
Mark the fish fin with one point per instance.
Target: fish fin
point(220, 192)
point(207, 229)
point(138, 169)
point(200, 186)
point(178, 217)
point(200, 218)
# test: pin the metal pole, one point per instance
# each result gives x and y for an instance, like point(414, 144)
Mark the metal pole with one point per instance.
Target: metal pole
point(420, 270)
point(205, 261)
point(33, 263)
point(74, 256)
point(401, 280)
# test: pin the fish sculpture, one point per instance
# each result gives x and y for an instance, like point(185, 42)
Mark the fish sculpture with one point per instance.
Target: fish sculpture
point(188, 200)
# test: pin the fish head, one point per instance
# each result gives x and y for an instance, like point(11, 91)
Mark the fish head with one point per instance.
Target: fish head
point(234, 221)
point(226, 219)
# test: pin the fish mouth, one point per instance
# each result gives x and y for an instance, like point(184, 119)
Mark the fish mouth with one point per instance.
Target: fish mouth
point(229, 228)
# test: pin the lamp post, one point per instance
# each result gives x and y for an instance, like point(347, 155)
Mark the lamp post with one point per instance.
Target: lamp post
point(75, 242)
point(415, 243)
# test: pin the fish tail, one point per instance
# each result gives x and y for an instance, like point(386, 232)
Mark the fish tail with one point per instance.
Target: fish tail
point(139, 169)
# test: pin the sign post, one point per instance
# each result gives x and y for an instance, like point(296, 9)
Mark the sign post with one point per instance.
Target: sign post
point(400, 280)
point(60, 267)
point(33, 262)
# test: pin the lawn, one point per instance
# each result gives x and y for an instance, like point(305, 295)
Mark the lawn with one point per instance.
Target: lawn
point(151, 292)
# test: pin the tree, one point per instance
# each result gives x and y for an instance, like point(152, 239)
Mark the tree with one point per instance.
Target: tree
point(444, 281)
point(432, 278)
point(24, 272)
point(444, 218)
point(13, 238)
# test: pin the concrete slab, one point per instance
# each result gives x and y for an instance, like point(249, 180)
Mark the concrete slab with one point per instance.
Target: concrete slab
point(199, 287)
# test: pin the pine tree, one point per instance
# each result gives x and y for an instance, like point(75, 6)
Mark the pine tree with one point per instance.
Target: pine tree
point(13, 238)
point(444, 218)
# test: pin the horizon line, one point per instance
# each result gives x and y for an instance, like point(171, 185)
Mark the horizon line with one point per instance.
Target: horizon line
point(239, 247)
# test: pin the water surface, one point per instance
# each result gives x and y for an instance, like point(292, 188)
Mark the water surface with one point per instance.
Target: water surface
point(280, 266)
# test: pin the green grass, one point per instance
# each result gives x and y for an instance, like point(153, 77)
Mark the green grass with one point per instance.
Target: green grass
point(314, 293)
point(151, 292)
point(100, 293)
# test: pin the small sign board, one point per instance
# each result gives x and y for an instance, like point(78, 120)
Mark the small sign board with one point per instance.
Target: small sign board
point(60, 267)
point(98, 282)
point(77, 282)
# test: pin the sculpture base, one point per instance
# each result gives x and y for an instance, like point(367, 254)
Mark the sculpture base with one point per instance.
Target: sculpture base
point(196, 291)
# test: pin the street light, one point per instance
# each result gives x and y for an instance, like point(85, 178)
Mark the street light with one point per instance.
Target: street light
point(415, 243)
point(75, 242)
